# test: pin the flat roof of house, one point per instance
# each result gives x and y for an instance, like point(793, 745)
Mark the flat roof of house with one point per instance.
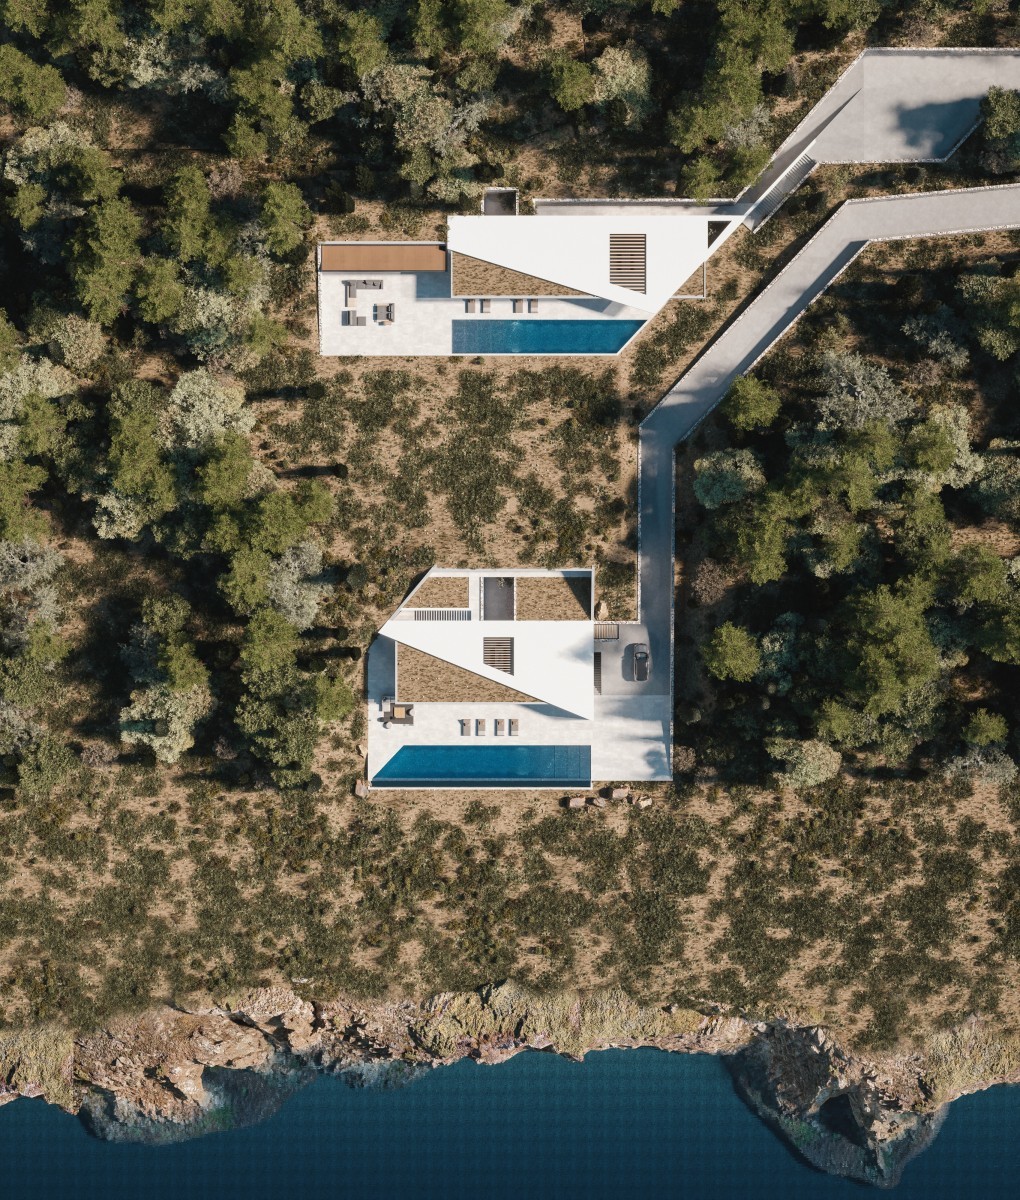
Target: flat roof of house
point(575, 250)
point(382, 256)
point(441, 654)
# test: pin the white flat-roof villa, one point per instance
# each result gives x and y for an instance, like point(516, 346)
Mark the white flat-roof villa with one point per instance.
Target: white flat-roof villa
point(503, 678)
point(568, 280)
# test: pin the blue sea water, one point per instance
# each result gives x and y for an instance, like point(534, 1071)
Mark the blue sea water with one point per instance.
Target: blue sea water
point(488, 766)
point(624, 1124)
point(531, 335)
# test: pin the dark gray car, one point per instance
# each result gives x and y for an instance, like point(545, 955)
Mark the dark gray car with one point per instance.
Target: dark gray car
point(642, 661)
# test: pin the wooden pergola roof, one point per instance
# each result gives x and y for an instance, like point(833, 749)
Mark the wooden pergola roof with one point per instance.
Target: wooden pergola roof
point(382, 256)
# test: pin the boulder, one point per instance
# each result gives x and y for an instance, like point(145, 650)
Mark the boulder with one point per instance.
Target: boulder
point(601, 611)
point(361, 788)
point(574, 802)
point(599, 801)
point(616, 793)
point(643, 802)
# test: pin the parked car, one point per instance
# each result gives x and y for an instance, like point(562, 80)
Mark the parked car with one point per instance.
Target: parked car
point(642, 661)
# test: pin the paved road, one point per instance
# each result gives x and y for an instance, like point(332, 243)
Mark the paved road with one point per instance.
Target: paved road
point(889, 106)
point(895, 106)
point(760, 325)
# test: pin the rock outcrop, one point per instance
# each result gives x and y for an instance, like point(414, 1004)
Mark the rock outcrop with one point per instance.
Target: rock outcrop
point(176, 1072)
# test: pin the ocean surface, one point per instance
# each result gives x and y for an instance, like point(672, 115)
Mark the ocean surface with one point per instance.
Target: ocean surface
point(634, 1123)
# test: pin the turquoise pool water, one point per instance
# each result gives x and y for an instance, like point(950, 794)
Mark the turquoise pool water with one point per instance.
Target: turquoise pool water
point(531, 335)
point(487, 766)
point(623, 1125)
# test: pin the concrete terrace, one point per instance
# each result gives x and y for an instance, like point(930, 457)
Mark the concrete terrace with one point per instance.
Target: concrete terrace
point(425, 312)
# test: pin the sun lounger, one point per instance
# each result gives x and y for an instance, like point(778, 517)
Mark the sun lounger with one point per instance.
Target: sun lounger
point(515, 727)
point(390, 312)
point(465, 726)
point(469, 306)
point(499, 727)
point(518, 306)
point(485, 305)
point(480, 727)
point(532, 306)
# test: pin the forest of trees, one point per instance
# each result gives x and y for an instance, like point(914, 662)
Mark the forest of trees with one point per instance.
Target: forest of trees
point(140, 300)
point(859, 545)
point(174, 661)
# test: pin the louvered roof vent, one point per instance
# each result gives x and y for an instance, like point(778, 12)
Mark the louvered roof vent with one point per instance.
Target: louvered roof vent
point(498, 652)
point(628, 257)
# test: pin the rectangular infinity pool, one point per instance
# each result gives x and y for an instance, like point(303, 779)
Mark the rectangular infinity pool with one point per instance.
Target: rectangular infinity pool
point(528, 335)
point(487, 766)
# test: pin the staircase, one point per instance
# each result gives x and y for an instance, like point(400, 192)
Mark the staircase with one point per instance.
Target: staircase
point(785, 186)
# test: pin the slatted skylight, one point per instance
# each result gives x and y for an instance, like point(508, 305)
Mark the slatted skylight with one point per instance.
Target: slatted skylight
point(498, 652)
point(628, 260)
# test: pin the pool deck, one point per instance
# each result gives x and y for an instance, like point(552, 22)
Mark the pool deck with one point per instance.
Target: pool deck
point(628, 734)
point(425, 312)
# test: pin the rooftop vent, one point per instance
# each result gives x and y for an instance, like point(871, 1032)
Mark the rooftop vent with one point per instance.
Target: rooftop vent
point(498, 653)
point(628, 256)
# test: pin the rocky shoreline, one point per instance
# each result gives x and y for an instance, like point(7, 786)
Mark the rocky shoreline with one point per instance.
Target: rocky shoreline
point(178, 1072)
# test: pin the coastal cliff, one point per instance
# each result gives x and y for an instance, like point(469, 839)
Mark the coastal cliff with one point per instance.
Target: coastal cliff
point(178, 1072)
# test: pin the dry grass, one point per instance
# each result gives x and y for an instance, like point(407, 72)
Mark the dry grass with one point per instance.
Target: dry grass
point(474, 277)
point(441, 591)
point(423, 679)
point(565, 599)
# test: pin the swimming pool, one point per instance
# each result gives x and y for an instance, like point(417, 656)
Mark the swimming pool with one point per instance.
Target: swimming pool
point(532, 336)
point(487, 766)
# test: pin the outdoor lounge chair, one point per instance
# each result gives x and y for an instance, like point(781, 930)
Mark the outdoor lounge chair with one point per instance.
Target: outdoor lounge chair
point(465, 726)
point(390, 311)
point(532, 306)
point(485, 305)
point(515, 727)
point(518, 306)
point(361, 320)
point(469, 306)
point(480, 727)
point(499, 727)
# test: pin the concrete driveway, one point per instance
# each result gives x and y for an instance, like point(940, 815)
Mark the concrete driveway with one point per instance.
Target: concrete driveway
point(890, 106)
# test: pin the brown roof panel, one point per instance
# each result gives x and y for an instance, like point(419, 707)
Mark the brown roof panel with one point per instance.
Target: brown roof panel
point(476, 277)
point(545, 598)
point(424, 679)
point(382, 256)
